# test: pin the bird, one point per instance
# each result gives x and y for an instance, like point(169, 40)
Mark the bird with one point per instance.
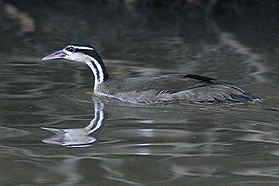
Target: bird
point(152, 89)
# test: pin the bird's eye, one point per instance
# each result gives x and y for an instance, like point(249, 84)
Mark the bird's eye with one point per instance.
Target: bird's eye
point(70, 49)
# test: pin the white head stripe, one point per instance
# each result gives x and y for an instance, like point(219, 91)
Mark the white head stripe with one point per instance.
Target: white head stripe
point(81, 47)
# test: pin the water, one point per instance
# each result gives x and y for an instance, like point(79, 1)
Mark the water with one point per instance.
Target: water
point(126, 144)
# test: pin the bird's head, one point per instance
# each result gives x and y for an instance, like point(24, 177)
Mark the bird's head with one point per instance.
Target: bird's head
point(79, 52)
point(85, 53)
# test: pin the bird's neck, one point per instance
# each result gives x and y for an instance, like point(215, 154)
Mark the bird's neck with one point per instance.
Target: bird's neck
point(98, 69)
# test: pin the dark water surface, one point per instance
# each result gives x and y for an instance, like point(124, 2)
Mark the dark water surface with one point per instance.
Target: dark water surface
point(105, 142)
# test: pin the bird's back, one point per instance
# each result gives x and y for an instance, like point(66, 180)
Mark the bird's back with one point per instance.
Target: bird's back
point(173, 87)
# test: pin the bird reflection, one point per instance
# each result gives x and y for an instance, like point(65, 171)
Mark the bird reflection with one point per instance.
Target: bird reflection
point(78, 137)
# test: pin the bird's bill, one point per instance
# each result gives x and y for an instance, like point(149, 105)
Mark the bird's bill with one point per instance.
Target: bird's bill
point(56, 55)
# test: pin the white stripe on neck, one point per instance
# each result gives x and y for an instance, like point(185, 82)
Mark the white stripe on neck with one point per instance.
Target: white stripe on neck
point(98, 73)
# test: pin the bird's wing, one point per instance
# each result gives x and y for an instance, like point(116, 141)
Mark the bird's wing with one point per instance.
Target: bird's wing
point(193, 88)
point(171, 83)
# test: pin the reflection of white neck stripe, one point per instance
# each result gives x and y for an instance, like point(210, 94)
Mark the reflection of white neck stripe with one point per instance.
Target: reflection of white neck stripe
point(81, 47)
point(98, 119)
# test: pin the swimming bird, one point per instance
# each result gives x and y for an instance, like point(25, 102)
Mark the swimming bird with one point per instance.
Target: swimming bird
point(152, 89)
